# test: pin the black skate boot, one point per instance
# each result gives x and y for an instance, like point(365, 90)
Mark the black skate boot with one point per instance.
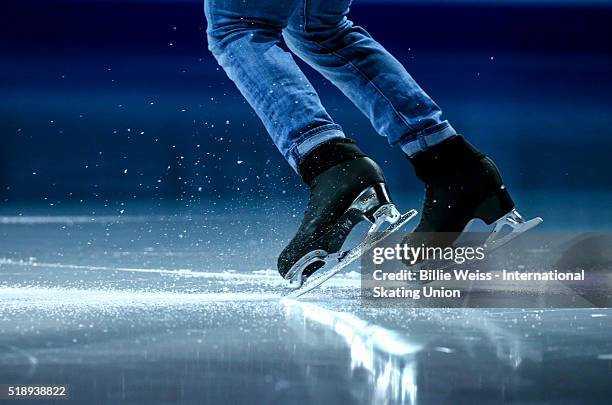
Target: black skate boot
point(461, 185)
point(346, 187)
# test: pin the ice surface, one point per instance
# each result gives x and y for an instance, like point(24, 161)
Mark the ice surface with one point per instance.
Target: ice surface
point(126, 311)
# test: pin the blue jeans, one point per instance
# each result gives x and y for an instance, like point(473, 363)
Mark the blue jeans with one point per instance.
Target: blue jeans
point(246, 37)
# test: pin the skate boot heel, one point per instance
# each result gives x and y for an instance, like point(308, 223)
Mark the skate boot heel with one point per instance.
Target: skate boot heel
point(499, 209)
point(495, 207)
point(375, 205)
point(370, 199)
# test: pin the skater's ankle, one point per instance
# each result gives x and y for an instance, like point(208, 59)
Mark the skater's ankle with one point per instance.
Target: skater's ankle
point(450, 155)
point(326, 156)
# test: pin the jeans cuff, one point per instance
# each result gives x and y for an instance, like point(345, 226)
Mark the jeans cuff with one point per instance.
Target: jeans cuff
point(310, 140)
point(427, 138)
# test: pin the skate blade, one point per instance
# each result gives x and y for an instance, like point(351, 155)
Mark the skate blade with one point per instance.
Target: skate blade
point(513, 220)
point(336, 262)
point(295, 276)
point(494, 241)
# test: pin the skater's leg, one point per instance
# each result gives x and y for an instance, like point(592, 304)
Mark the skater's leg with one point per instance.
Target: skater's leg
point(346, 186)
point(320, 33)
point(244, 37)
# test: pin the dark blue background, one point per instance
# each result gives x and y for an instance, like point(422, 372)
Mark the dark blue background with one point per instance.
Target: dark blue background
point(116, 101)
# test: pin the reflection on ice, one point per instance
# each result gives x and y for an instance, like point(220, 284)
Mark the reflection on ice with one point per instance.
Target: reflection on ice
point(445, 352)
point(386, 357)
